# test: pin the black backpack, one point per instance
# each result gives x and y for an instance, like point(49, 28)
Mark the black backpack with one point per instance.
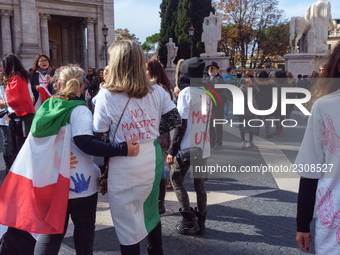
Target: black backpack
point(17, 242)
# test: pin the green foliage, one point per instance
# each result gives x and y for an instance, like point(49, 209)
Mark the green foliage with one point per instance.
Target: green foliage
point(153, 39)
point(147, 47)
point(168, 16)
point(176, 18)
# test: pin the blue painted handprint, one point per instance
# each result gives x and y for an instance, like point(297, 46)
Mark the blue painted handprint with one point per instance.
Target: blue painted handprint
point(80, 184)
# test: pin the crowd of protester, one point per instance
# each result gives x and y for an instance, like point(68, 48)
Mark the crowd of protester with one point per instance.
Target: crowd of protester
point(125, 112)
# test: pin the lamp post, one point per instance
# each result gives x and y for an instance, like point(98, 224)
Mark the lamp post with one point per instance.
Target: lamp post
point(191, 34)
point(105, 29)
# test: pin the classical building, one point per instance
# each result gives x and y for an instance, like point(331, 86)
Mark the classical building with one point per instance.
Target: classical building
point(334, 35)
point(68, 31)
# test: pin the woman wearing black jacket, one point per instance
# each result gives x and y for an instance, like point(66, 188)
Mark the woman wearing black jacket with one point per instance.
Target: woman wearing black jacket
point(94, 86)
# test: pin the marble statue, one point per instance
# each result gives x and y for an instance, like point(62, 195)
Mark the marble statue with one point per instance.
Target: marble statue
point(172, 53)
point(299, 27)
point(312, 31)
point(320, 18)
point(212, 34)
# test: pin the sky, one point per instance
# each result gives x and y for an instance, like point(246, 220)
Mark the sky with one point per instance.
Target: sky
point(141, 17)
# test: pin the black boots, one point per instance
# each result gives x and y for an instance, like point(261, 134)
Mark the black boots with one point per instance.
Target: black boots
point(201, 221)
point(162, 190)
point(188, 225)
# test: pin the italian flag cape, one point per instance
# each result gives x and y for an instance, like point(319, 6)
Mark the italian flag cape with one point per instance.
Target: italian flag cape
point(34, 195)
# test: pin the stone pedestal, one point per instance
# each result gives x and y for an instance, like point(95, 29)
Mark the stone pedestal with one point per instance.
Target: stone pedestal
point(171, 72)
point(223, 62)
point(304, 63)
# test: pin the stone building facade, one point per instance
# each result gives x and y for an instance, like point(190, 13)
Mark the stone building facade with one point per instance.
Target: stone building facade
point(68, 31)
point(334, 35)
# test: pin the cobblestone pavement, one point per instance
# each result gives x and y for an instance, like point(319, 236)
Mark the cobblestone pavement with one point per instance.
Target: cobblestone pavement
point(248, 213)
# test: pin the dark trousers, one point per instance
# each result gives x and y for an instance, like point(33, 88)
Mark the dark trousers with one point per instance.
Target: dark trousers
point(83, 215)
point(177, 174)
point(6, 146)
point(19, 132)
point(17, 136)
point(154, 247)
point(216, 133)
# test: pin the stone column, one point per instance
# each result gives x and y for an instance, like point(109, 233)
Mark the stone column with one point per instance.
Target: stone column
point(64, 44)
point(30, 43)
point(6, 31)
point(45, 43)
point(73, 43)
point(54, 57)
point(82, 44)
point(91, 50)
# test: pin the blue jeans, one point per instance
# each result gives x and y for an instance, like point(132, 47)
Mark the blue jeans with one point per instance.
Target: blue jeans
point(83, 215)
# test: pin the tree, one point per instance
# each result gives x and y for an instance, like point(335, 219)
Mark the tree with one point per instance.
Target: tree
point(249, 22)
point(176, 18)
point(124, 34)
point(150, 42)
point(168, 16)
point(275, 44)
point(191, 12)
point(147, 47)
point(153, 39)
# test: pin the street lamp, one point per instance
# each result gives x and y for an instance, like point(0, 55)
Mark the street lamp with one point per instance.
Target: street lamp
point(105, 29)
point(191, 34)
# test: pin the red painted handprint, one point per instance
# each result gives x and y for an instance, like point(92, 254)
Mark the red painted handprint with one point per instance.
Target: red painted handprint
point(329, 218)
point(329, 136)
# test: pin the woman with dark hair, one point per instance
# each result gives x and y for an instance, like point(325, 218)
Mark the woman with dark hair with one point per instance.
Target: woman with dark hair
point(4, 129)
point(94, 85)
point(41, 75)
point(321, 148)
point(19, 101)
point(157, 75)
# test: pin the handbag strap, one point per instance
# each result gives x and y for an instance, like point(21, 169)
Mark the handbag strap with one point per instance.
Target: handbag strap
point(121, 116)
point(107, 159)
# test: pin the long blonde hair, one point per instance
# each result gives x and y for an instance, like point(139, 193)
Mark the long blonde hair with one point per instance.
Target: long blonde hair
point(69, 82)
point(127, 71)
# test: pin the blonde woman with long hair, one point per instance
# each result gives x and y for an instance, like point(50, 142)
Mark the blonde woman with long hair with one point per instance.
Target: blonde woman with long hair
point(129, 106)
point(61, 177)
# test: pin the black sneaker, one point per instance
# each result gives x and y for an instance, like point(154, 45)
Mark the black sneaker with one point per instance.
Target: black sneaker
point(186, 227)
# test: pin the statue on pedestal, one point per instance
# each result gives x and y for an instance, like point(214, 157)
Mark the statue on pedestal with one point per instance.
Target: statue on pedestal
point(172, 53)
point(312, 31)
point(212, 34)
point(320, 18)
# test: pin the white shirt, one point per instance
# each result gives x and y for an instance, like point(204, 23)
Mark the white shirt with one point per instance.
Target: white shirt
point(189, 105)
point(84, 172)
point(3, 121)
point(140, 119)
point(319, 158)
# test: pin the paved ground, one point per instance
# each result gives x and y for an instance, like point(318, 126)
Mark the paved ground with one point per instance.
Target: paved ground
point(248, 213)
